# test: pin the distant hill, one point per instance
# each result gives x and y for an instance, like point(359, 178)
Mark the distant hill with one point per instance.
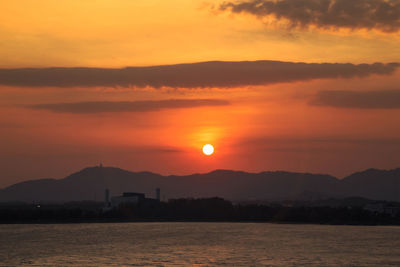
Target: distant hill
point(90, 183)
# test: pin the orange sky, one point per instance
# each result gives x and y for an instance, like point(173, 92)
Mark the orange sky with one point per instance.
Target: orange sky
point(287, 124)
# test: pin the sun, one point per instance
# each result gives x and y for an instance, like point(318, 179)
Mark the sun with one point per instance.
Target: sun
point(208, 149)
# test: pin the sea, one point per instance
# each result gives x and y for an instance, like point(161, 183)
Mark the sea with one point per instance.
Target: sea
point(198, 244)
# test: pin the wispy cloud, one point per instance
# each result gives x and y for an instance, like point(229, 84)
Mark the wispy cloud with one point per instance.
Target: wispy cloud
point(128, 106)
point(193, 75)
point(382, 15)
point(383, 99)
point(316, 143)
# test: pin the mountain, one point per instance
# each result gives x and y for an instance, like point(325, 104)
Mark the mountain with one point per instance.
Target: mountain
point(90, 183)
point(374, 184)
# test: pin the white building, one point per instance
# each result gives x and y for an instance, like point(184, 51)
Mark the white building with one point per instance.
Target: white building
point(127, 198)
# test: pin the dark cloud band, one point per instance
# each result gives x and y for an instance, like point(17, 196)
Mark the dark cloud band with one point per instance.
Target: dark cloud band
point(383, 15)
point(126, 106)
point(194, 75)
point(385, 99)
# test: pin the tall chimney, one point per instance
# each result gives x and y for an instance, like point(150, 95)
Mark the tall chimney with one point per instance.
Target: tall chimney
point(107, 197)
point(158, 194)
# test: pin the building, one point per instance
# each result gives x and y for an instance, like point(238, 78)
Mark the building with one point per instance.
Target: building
point(127, 198)
point(383, 208)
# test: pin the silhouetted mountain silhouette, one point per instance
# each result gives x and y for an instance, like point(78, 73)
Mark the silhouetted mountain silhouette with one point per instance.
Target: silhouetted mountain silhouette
point(89, 184)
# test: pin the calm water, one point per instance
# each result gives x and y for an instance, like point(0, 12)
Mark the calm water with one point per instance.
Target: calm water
point(198, 244)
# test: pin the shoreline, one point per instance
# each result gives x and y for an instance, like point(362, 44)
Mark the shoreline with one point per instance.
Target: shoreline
point(194, 221)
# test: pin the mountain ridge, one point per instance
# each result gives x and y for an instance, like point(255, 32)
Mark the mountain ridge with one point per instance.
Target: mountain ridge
point(90, 183)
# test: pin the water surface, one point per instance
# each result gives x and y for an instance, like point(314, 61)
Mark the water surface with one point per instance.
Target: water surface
point(198, 244)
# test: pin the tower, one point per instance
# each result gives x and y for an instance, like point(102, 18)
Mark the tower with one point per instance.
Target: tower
point(107, 197)
point(158, 194)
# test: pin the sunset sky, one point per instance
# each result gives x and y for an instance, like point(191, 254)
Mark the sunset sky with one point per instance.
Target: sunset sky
point(306, 86)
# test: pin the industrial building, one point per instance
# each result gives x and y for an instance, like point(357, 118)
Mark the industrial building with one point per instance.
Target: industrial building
point(128, 198)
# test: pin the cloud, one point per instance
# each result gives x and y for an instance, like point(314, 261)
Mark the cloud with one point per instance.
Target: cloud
point(385, 99)
point(383, 15)
point(128, 106)
point(193, 75)
point(316, 143)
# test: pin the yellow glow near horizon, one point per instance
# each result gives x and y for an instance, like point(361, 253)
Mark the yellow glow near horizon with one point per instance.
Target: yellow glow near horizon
point(208, 149)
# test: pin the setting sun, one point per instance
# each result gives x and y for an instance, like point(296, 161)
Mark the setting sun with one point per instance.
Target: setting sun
point(208, 149)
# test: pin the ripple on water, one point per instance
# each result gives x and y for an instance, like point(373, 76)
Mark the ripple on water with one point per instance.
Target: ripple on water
point(198, 244)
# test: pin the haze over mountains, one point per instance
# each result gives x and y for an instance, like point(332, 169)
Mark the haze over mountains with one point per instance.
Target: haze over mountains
point(90, 183)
